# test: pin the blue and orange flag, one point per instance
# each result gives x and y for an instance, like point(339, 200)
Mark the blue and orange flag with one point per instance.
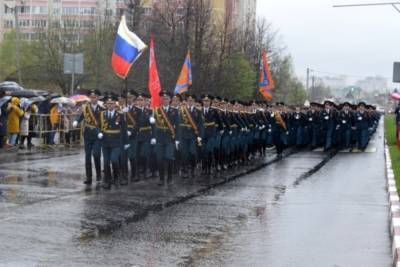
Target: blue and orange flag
point(266, 84)
point(185, 77)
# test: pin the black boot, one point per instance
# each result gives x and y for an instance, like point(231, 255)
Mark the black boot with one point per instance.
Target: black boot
point(116, 173)
point(97, 165)
point(161, 172)
point(88, 167)
point(133, 171)
point(169, 172)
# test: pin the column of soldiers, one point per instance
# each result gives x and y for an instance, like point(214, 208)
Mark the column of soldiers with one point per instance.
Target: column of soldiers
point(211, 133)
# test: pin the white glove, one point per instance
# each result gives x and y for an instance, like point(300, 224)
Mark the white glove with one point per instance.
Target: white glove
point(75, 124)
point(177, 145)
point(230, 132)
point(129, 133)
point(221, 132)
point(153, 141)
point(287, 133)
point(100, 136)
point(199, 139)
point(127, 146)
point(152, 120)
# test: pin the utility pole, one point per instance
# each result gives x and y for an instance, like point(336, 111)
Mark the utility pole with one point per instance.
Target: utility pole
point(308, 77)
point(313, 87)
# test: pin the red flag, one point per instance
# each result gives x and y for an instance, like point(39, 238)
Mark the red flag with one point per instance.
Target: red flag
point(154, 81)
point(266, 82)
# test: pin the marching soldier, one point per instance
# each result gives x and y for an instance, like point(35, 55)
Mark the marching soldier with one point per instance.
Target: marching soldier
point(91, 117)
point(328, 120)
point(113, 139)
point(166, 120)
point(211, 125)
point(144, 135)
point(362, 125)
point(131, 113)
point(346, 122)
point(190, 133)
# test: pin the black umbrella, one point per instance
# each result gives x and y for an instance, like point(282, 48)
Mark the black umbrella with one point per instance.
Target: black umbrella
point(24, 93)
point(10, 87)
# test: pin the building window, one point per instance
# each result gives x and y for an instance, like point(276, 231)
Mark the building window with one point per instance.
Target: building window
point(24, 23)
point(147, 11)
point(8, 24)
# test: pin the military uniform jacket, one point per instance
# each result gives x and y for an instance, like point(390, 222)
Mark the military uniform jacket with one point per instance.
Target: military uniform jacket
point(212, 122)
point(298, 119)
point(346, 120)
point(91, 119)
point(328, 120)
point(143, 127)
point(113, 128)
point(131, 121)
point(185, 128)
point(362, 120)
point(165, 130)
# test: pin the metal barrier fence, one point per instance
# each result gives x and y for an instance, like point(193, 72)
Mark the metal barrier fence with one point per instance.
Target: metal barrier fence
point(54, 129)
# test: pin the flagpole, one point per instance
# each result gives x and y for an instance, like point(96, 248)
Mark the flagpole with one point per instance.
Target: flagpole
point(126, 86)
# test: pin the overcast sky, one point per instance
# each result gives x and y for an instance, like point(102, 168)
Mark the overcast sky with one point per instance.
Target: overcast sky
point(361, 41)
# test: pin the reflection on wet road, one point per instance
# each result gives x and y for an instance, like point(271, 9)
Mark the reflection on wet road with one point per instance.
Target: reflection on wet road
point(282, 215)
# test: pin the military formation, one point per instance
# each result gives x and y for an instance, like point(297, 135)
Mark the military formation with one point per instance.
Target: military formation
point(186, 135)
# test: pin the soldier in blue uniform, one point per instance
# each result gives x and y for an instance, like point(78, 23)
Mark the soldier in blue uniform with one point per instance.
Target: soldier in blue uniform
point(144, 121)
point(166, 119)
point(91, 117)
point(346, 122)
point(131, 113)
point(328, 125)
point(362, 125)
point(189, 134)
point(211, 125)
point(298, 119)
point(113, 137)
point(314, 125)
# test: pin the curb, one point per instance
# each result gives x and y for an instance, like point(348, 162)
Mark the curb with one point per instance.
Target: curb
point(394, 202)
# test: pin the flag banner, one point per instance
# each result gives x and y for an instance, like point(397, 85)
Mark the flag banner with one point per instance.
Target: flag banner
point(127, 49)
point(154, 80)
point(266, 84)
point(185, 77)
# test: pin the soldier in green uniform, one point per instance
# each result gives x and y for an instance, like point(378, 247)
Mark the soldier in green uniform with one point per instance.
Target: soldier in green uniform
point(91, 117)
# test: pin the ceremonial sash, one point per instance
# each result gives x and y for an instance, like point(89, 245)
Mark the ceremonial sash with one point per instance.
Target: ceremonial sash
point(189, 118)
point(131, 119)
point(90, 116)
point(162, 117)
point(280, 121)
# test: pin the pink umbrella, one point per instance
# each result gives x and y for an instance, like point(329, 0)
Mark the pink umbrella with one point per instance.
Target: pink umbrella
point(395, 95)
point(80, 98)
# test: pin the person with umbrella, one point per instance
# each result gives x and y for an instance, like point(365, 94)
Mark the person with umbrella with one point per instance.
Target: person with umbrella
point(14, 114)
point(3, 118)
point(26, 126)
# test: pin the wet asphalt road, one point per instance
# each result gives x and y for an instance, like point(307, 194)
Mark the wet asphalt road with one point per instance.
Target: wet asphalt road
point(306, 210)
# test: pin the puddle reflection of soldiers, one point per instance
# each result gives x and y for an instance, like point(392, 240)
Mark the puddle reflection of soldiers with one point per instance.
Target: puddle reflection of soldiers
point(91, 117)
point(166, 120)
point(113, 138)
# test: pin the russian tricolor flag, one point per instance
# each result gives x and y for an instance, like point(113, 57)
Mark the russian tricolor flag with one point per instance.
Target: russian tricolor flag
point(127, 49)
